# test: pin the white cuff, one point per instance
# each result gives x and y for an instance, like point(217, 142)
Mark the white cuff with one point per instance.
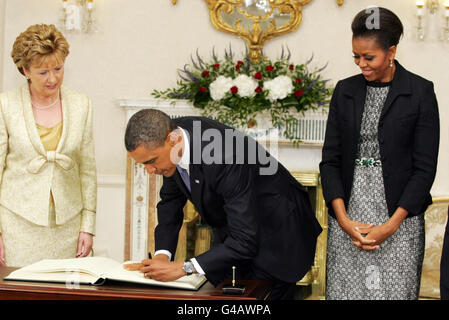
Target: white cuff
point(163, 252)
point(199, 270)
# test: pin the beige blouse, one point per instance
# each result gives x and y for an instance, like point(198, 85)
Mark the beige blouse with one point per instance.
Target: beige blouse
point(50, 136)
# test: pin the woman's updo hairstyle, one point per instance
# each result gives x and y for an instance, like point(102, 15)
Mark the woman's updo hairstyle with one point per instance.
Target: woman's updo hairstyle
point(379, 23)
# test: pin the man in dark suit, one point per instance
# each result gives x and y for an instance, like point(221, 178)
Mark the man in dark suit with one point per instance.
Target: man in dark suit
point(261, 216)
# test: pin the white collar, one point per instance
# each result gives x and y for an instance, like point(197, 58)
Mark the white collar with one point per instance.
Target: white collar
point(184, 162)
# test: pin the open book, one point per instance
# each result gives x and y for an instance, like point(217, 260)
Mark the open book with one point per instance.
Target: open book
point(94, 270)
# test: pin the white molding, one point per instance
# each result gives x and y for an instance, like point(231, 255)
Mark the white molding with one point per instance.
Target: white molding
point(148, 103)
point(310, 127)
point(439, 195)
point(171, 107)
point(111, 181)
point(185, 107)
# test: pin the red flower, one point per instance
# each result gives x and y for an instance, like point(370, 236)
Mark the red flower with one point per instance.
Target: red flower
point(216, 66)
point(234, 90)
point(298, 93)
point(205, 74)
point(291, 67)
point(298, 80)
point(259, 89)
point(203, 89)
point(269, 68)
point(258, 76)
point(238, 65)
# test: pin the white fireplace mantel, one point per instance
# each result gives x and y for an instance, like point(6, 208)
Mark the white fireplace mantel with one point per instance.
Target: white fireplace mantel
point(171, 107)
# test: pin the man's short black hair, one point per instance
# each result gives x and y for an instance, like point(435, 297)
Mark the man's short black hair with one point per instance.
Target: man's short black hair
point(148, 126)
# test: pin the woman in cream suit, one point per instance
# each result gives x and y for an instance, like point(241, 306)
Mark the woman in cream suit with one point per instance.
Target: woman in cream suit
point(47, 164)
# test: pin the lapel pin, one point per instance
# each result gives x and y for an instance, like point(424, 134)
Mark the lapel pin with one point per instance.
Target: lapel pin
point(197, 181)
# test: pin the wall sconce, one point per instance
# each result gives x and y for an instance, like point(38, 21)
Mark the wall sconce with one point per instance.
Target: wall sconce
point(420, 14)
point(78, 16)
point(446, 18)
point(433, 7)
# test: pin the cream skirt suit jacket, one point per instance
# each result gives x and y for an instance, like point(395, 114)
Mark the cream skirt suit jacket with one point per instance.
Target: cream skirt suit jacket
point(46, 197)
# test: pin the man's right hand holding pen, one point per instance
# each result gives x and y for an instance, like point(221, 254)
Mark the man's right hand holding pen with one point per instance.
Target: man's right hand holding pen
point(159, 268)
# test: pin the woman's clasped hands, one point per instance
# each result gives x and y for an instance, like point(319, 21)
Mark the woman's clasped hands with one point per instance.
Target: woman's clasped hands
point(367, 237)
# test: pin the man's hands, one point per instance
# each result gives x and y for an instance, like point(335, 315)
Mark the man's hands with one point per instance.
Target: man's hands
point(158, 268)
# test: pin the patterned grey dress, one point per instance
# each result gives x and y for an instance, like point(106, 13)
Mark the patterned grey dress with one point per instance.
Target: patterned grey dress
point(394, 270)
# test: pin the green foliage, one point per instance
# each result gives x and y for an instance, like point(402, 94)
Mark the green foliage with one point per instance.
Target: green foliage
point(310, 91)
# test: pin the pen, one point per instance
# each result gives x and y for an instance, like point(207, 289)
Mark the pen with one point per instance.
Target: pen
point(233, 276)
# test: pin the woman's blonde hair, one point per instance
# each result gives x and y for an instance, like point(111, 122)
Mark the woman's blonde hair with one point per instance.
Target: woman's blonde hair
point(36, 44)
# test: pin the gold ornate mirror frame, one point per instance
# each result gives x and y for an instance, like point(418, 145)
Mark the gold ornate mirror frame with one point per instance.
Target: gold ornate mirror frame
point(339, 2)
point(255, 34)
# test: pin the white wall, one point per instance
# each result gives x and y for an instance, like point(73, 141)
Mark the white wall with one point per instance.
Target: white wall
point(142, 43)
point(2, 26)
point(109, 240)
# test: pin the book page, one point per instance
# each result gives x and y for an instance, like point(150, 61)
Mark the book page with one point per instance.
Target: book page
point(69, 278)
point(87, 270)
point(92, 270)
point(93, 265)
point(192, 282)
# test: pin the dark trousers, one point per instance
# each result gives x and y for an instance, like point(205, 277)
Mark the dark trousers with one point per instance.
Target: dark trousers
point(283, 290)
point(444, 267)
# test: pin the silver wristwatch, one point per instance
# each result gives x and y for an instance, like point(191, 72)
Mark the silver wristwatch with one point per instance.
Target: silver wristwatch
point(188, 268)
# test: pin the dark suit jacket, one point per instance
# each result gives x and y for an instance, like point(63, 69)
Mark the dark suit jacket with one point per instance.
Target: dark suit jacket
point(264, 222)
point(408, 138)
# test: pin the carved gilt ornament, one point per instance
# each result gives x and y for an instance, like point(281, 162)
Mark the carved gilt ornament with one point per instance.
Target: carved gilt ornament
point(256, 21)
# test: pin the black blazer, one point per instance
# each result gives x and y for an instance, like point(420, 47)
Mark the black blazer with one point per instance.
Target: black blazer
point(262, 222)
point(408, 138)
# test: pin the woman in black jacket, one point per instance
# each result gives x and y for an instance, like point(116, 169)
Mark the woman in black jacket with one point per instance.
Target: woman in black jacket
point(378, 165)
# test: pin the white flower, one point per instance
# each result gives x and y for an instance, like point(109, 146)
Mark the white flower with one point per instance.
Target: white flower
point(278, 88)
point(220, 87)
point(246, 86)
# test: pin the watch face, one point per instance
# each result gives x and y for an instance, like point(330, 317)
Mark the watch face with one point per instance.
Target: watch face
point(188, 267)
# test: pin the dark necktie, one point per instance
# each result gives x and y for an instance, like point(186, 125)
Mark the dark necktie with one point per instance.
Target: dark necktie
point(185, 176)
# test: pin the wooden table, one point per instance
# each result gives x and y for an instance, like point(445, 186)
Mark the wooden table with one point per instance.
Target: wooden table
point(19, 290)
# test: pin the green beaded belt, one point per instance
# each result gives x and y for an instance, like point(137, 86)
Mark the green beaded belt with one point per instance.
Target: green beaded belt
point(367, 162)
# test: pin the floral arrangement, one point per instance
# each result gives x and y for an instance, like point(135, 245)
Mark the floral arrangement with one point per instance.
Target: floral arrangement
point(235, 92)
